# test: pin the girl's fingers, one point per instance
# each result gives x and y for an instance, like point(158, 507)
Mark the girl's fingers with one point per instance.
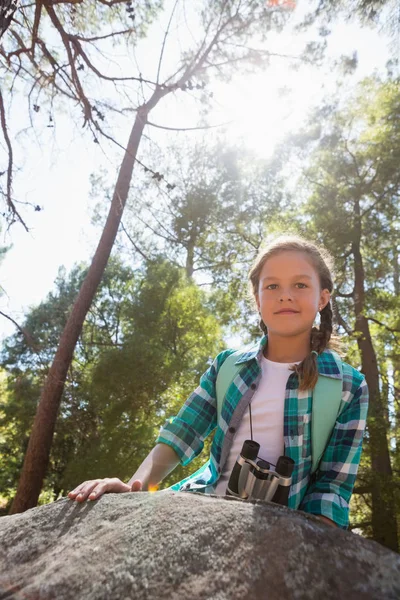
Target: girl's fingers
point(82, 491)
point(108, 485)
point(77, 490)
point(95, 488)
point(87, 490)
point(99, 490)
point(136, 486)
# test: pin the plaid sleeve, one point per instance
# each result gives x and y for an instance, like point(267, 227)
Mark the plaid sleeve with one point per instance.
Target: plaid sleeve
point(197, 418)
point(329, 493)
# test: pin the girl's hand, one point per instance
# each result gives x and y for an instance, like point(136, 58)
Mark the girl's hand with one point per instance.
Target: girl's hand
point(93, 489)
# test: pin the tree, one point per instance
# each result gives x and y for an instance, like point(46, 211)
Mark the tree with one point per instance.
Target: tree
point(226, 31)
point(142, 322)
point(353, 207)
point(46, 56)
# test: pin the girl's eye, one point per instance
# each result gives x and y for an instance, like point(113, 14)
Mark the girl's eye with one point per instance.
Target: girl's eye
point(273, 286)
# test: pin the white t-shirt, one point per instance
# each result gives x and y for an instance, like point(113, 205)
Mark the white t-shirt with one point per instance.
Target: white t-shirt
point(267, 411)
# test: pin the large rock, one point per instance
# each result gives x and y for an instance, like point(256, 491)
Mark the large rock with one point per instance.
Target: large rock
point(184, 545)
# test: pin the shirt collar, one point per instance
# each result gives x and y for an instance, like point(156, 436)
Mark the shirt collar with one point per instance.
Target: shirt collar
point(328, 362)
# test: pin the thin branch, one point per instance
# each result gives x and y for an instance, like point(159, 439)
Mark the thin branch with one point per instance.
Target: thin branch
point(199, 59)
point(165, 40)
point(380, 197)
point(85, 57)
point(142, 254)
point(25, 333)
point(340, 294)
point(105, 344)
point(353, 158)
point(182, 67)
point(106, 2)
point(168, 236)
point(57, 69)
point(210, 266)
point(188, 128)
point(102, 37)
point(71, 60)
point(10, 203)
point(383, 325)
point(360, 525)
point(340, 319)
point(36, 22)
point(390, 385)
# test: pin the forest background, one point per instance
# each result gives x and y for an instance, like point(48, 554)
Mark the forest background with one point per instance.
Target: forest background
point(207, 190)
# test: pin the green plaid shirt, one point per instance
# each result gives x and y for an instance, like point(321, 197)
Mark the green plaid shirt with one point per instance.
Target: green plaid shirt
point(325, 493)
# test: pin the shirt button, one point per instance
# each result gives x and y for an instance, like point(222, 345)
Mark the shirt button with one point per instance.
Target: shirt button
point(232, 430)
point(253, 386)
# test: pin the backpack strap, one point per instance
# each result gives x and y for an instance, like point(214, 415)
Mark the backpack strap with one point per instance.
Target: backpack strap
point(327, 396)
point(226, 374)
point(324, 414)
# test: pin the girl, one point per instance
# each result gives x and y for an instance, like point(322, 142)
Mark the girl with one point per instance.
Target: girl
point(271, 398)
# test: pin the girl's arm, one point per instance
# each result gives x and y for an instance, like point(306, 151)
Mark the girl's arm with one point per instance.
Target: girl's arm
point(155, 467)
point(197, 418)
point(181, 439)
point(326, 520)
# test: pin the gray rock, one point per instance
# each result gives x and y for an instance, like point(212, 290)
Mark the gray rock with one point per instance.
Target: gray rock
point(184, 545)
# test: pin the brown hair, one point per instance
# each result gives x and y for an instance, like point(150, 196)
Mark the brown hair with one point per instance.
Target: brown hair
point(321, 337)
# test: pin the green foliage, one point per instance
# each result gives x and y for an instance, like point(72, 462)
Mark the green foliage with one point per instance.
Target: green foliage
point(212, 224)
point(149, 332)
point(353, 186)
point(367, 11)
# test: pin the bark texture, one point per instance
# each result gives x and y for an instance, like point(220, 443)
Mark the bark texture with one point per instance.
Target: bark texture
point(384, 523)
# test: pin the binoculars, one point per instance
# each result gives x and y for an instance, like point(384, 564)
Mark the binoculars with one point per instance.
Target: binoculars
point(253, 479)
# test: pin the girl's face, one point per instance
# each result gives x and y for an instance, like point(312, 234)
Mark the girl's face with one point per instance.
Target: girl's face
point(289, 294)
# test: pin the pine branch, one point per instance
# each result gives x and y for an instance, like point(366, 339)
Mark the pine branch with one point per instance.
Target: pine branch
point(383, 325)
point(142, 254)
point(165, 40)
point(29, 340)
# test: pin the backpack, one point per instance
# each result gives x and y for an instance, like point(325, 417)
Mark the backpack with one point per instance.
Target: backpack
point(324, 414)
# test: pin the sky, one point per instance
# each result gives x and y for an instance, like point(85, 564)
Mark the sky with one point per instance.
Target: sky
point(55, 173)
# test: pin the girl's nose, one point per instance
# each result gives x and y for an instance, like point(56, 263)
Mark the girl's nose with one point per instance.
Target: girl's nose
point(286, 296)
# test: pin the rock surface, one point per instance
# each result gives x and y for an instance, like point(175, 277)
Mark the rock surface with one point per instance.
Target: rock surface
point(177, 546)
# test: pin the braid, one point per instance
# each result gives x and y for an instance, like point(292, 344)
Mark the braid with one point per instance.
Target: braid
point(326, 327)
point(320, 337)
point(307, 370)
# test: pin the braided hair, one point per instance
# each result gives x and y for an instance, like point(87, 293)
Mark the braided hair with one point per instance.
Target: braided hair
point(322, 336)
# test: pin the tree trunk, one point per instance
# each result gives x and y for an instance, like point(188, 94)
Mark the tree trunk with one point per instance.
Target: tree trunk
point(190, 256)
point(384, 523)
point(38, 452)
point(396, 270)
point(7, 10)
